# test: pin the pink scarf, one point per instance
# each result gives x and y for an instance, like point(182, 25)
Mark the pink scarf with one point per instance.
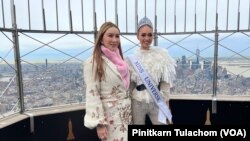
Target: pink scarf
point(121, 65)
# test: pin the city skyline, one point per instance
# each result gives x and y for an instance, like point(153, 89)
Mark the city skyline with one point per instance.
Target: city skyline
point(64, 84)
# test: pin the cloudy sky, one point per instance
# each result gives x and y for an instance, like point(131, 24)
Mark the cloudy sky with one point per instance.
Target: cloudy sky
point(126, 10)
point(184, 11)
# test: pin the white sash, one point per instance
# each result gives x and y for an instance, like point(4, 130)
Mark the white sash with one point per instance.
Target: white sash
point(152, 89)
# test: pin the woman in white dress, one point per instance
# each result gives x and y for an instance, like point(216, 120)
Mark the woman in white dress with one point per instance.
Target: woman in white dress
point(160, 66)
point(106, 74)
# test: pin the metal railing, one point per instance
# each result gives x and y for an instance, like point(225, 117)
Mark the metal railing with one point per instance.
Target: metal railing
point(176, 22)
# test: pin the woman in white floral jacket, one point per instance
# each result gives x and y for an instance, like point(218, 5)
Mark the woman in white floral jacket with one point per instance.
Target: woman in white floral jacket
point(106, 74)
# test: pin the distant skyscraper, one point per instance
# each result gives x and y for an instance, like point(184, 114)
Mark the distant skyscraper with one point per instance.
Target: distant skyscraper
point(46, 63)
point(197, 56)
point(206, 65)
point(184, 62)
point(196, 64)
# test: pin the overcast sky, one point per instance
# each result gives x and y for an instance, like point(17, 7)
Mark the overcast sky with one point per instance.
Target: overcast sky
point(153, 7)
point(127, 11)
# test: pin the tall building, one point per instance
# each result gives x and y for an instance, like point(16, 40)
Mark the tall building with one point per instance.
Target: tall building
point(197, 56)
point(46, 63)
point(184, 64)
point(207, 64)
point(196, 64)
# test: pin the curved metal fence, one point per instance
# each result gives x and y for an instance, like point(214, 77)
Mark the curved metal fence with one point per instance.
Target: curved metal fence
point(44, 43)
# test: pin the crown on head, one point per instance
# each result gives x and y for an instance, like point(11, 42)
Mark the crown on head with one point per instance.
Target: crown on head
point(144, 21)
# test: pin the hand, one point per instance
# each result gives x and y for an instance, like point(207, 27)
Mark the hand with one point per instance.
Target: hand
point(102, 132)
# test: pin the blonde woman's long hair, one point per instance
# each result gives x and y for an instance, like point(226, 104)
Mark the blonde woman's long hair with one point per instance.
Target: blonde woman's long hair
point(97, 54)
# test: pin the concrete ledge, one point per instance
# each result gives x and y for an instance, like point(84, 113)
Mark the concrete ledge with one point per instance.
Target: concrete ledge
point(13, 118)
point(209, 97)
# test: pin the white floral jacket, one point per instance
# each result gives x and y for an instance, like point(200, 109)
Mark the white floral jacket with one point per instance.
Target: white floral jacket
point(107, 102)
